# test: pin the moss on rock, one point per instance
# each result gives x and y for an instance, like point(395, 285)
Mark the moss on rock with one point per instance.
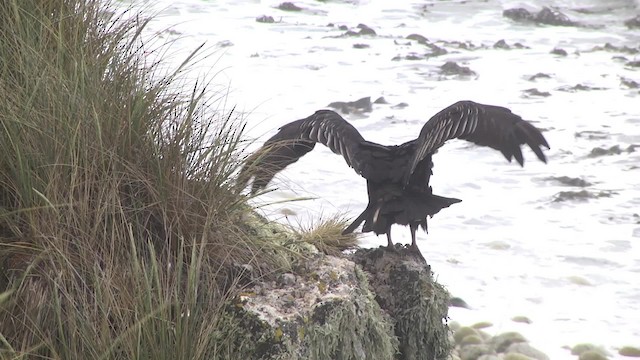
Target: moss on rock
point(323, 311)
point(405, 288)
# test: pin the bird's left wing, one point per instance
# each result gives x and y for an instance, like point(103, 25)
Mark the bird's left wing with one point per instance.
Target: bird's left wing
point(487, 125)
point(297, 138)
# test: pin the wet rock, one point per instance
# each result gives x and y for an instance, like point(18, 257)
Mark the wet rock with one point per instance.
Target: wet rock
point(265, 19)
point(546, 16)
point(631, 84)
point(569, 181)
point(592, 355)
point(381, 100)
point(405, 289)
point(521, 319)
point(482, 325)
point(635, 63)
point(361, 46)
point(633, 23)
point(614, 150)
point(527, 350)
point(592, 135)
point(419, 38)
point(579, 87)
point(401, 105)
point(581, 348)
point(559, 52)
point(539, 76)
point(630, 351)
point(473, 352)
point(503, 341)
point(471, 340)
point(358, 106)
point(362, 30)
point(452, 68)
point(458, 302)
point(536, 92)
point(501, 44)
point(582, 195)
point(619, 49)
point(298, 320)
point(289, 6)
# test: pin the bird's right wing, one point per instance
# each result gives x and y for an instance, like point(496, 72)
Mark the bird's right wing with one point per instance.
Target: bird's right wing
point(297, 138)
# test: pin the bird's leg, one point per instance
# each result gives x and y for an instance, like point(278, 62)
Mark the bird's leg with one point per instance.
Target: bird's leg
point(389, 242)
point(413, 227)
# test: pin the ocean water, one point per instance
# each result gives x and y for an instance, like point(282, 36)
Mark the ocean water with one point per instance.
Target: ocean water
point(519, 243)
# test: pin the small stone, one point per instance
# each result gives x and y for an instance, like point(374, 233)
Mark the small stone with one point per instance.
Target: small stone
point(529, 351)
point(482, 325)
point(452, 68)
point(462, 333)
point(560, 52)
point(501, 44)
point(287, 279)
point(458, 302)
point(592, 355)
point(265, 19)
point(521, 319)
point(503, 341)
point(289, 6)
point(536, 92)
point(473, 352)
point(581, 348)
point(630, 351)
point(516, 356)
point(471, 340)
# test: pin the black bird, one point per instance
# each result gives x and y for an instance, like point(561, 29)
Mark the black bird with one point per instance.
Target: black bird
point(397, 176)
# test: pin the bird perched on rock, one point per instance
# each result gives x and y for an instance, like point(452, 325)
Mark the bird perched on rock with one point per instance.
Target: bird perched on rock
point(398, 175)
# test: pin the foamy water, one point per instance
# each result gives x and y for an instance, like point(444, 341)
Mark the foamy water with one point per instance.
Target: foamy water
point(572, 267)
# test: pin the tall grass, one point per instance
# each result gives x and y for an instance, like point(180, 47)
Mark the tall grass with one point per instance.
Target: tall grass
point(118, 219)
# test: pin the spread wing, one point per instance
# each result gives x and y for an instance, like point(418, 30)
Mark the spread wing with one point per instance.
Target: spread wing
point(487, 125)
point(297, 138)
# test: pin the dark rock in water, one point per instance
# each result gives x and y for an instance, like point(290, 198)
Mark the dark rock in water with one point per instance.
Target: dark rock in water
point(579, 87)
point(381, 100)
point(633, 23)
point(358, 106)
point(592, 135)
point(539, 76)
point(401, 105)
point(569, 181)
point(265, 19)
point(419, 38)
point(501, 44)
point(630, 351)
point(452, 68)
point(536, 92)
point(405, 288)
point(518, 14)
point(631, 84)
point(546, 16)
point(549, 16)
point(458, 302)
point(560, 52)
point(289, 6)
point(343, 27)
point(614, 150)
point(361, 46)
point(621, 49)
point(582, 195)
point(635, 63)
point(362, 30)
point(365, 30)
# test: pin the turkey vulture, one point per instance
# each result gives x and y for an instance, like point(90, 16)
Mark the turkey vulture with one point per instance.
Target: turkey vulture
point(398, 175)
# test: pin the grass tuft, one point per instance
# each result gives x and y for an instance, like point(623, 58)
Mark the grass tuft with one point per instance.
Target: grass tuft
point(119, 223)
point(326, 235)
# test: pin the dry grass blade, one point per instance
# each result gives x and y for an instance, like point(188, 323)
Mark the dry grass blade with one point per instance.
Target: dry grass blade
point(326, 235)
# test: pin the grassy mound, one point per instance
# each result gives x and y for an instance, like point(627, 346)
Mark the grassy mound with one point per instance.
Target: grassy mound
point(119, 226)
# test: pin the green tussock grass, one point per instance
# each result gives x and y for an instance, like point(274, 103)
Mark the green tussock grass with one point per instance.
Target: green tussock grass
point(119, 223)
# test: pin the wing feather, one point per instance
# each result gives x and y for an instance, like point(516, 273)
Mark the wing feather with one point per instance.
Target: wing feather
point(486, 125)
point(297, 138)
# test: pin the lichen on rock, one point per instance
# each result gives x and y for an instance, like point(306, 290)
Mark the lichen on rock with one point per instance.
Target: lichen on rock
point(405, 288)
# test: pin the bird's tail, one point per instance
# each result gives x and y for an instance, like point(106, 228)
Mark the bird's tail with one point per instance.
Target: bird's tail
point(437, 203)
